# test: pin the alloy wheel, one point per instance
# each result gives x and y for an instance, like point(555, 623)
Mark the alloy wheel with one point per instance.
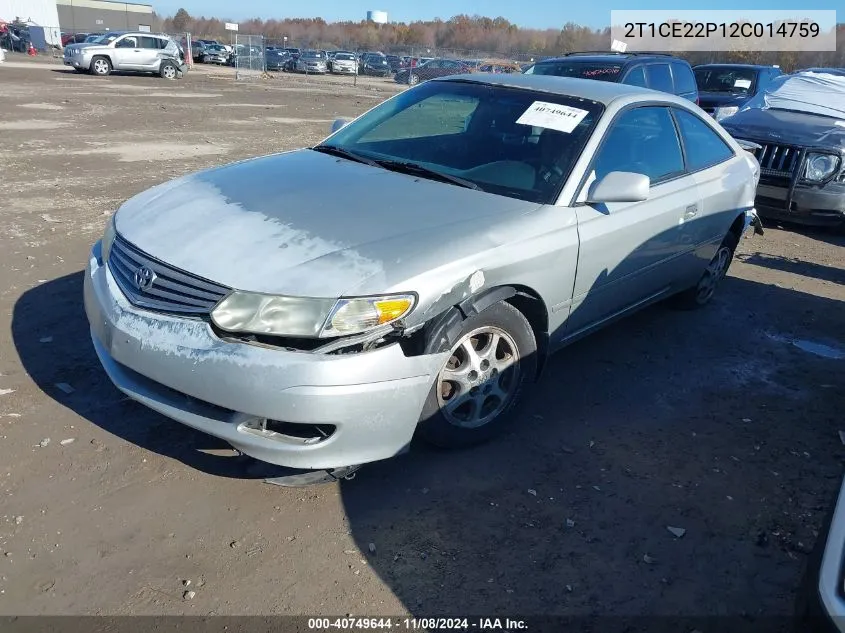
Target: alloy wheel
point(479, 379)
point(716, 271)
point(101, 66)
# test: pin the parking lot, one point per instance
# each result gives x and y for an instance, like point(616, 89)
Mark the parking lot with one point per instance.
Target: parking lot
point(723, 422)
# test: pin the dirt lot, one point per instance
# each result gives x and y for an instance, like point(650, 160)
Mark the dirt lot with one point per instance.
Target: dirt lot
point(713, 421)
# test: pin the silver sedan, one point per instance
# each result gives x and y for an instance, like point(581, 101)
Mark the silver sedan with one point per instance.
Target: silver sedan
point(475, 225)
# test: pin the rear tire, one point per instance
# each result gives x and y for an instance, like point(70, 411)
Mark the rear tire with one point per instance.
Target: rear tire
point(101, 66)
point(168, 70)
point(413, 80)
point(700, 295)
point(491, 368)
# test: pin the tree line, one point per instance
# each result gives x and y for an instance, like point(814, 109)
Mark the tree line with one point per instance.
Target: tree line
point(470, 36)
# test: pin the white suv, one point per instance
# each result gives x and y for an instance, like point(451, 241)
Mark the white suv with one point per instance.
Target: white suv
point(135, 52)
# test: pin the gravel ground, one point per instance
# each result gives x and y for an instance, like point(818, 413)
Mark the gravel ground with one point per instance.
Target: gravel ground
point(722, 422)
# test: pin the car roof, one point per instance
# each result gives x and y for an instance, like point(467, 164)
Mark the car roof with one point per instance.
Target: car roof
point(601, 91)
point(750, 66)
point(606, 57)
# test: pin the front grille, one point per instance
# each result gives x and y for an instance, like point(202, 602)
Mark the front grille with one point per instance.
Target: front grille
point(168, 289)
point(778, 161)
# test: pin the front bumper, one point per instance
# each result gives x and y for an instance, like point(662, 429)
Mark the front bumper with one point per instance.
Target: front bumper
point(178, 367)
point(805, 204)
point(77, 62)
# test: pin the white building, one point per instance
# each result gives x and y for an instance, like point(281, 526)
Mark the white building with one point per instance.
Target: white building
point(379, 17)
point(36, 12)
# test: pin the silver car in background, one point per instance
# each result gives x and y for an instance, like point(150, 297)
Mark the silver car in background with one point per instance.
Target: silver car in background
point(127, 51)
point(312, 62)
point(344, 63)
point(475, 224)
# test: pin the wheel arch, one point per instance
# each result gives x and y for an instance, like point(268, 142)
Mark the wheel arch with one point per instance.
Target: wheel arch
point(441, 332)
point(738, 226)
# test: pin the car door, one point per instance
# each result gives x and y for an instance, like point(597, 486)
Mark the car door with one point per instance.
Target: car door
point(148, 52)
point(127, 54)
point(629, 251)
point(722, 179)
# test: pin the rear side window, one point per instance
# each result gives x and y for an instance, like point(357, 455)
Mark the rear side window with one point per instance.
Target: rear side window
point(636, 77)
point(149, 42)
point(704, 147)
point(659, 77)
point(684, 79)
point(583, 70)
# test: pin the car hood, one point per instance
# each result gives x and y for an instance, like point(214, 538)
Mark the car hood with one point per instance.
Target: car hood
point(308, 224)
point(721, 99)
point(81, 45)
point(787, 127)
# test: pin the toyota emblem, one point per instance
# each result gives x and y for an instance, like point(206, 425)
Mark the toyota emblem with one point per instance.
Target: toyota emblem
point(144, 278)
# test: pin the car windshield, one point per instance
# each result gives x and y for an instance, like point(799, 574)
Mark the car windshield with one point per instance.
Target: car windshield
point(311, 55)
point(344, 57)
point(505, 141)
point(603, 71)
point(725, 79)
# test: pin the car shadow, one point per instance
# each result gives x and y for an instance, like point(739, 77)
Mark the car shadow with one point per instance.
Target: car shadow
point(636, 429)
point(795, 266)
point(52, 338)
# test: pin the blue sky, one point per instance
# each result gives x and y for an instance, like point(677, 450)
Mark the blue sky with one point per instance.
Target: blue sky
point(536, 14)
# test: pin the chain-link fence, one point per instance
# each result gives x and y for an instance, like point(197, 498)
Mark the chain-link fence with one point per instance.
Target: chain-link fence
point(249, 57)
point(31, 40)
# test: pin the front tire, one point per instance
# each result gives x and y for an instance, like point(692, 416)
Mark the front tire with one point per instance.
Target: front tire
point(101, 66)
point(701, 294)
point(491, 367)
point(413, 80)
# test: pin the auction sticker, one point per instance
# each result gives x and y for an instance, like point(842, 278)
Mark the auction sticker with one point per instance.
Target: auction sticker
point(552, 116)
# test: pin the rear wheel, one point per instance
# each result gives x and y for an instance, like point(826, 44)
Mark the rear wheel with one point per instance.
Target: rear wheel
point(168, 70)
point(101, 66)
point(490, 368)
point(700, 295)
point(413, 80)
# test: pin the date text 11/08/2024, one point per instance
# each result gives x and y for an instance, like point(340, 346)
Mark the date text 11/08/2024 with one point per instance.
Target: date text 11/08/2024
point(416, 624)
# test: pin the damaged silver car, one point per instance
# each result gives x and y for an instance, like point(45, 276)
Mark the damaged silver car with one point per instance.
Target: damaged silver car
point(410, 274)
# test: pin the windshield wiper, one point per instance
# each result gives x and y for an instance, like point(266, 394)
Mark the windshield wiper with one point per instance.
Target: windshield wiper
point(421, 170)
point(345, 153)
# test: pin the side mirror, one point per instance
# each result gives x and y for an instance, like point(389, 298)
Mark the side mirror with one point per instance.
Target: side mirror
point(619, 186)
point(339, 123)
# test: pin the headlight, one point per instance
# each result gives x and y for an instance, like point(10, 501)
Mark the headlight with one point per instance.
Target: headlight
point(268, 314)
point(307, 317)
point(108, 239)
point(352, 316)
point(820, 167)
point(724, 113)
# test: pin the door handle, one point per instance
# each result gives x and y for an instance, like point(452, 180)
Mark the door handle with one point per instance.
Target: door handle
point(691, 212)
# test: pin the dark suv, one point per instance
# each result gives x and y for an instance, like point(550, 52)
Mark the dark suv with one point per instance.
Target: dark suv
point(650, 70)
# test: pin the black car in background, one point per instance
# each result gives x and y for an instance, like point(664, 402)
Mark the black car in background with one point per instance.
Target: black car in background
point(375, 64)
point(665, 73)
point(798, 126)
point(276, 59)
point(430, 70)
point(395, 63)
point(724, 88)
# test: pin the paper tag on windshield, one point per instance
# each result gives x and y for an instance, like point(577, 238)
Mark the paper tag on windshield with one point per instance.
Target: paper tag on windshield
point(742, 83)
point(552, 116)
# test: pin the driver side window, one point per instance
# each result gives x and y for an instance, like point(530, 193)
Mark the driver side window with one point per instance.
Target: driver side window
point(643, 141)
